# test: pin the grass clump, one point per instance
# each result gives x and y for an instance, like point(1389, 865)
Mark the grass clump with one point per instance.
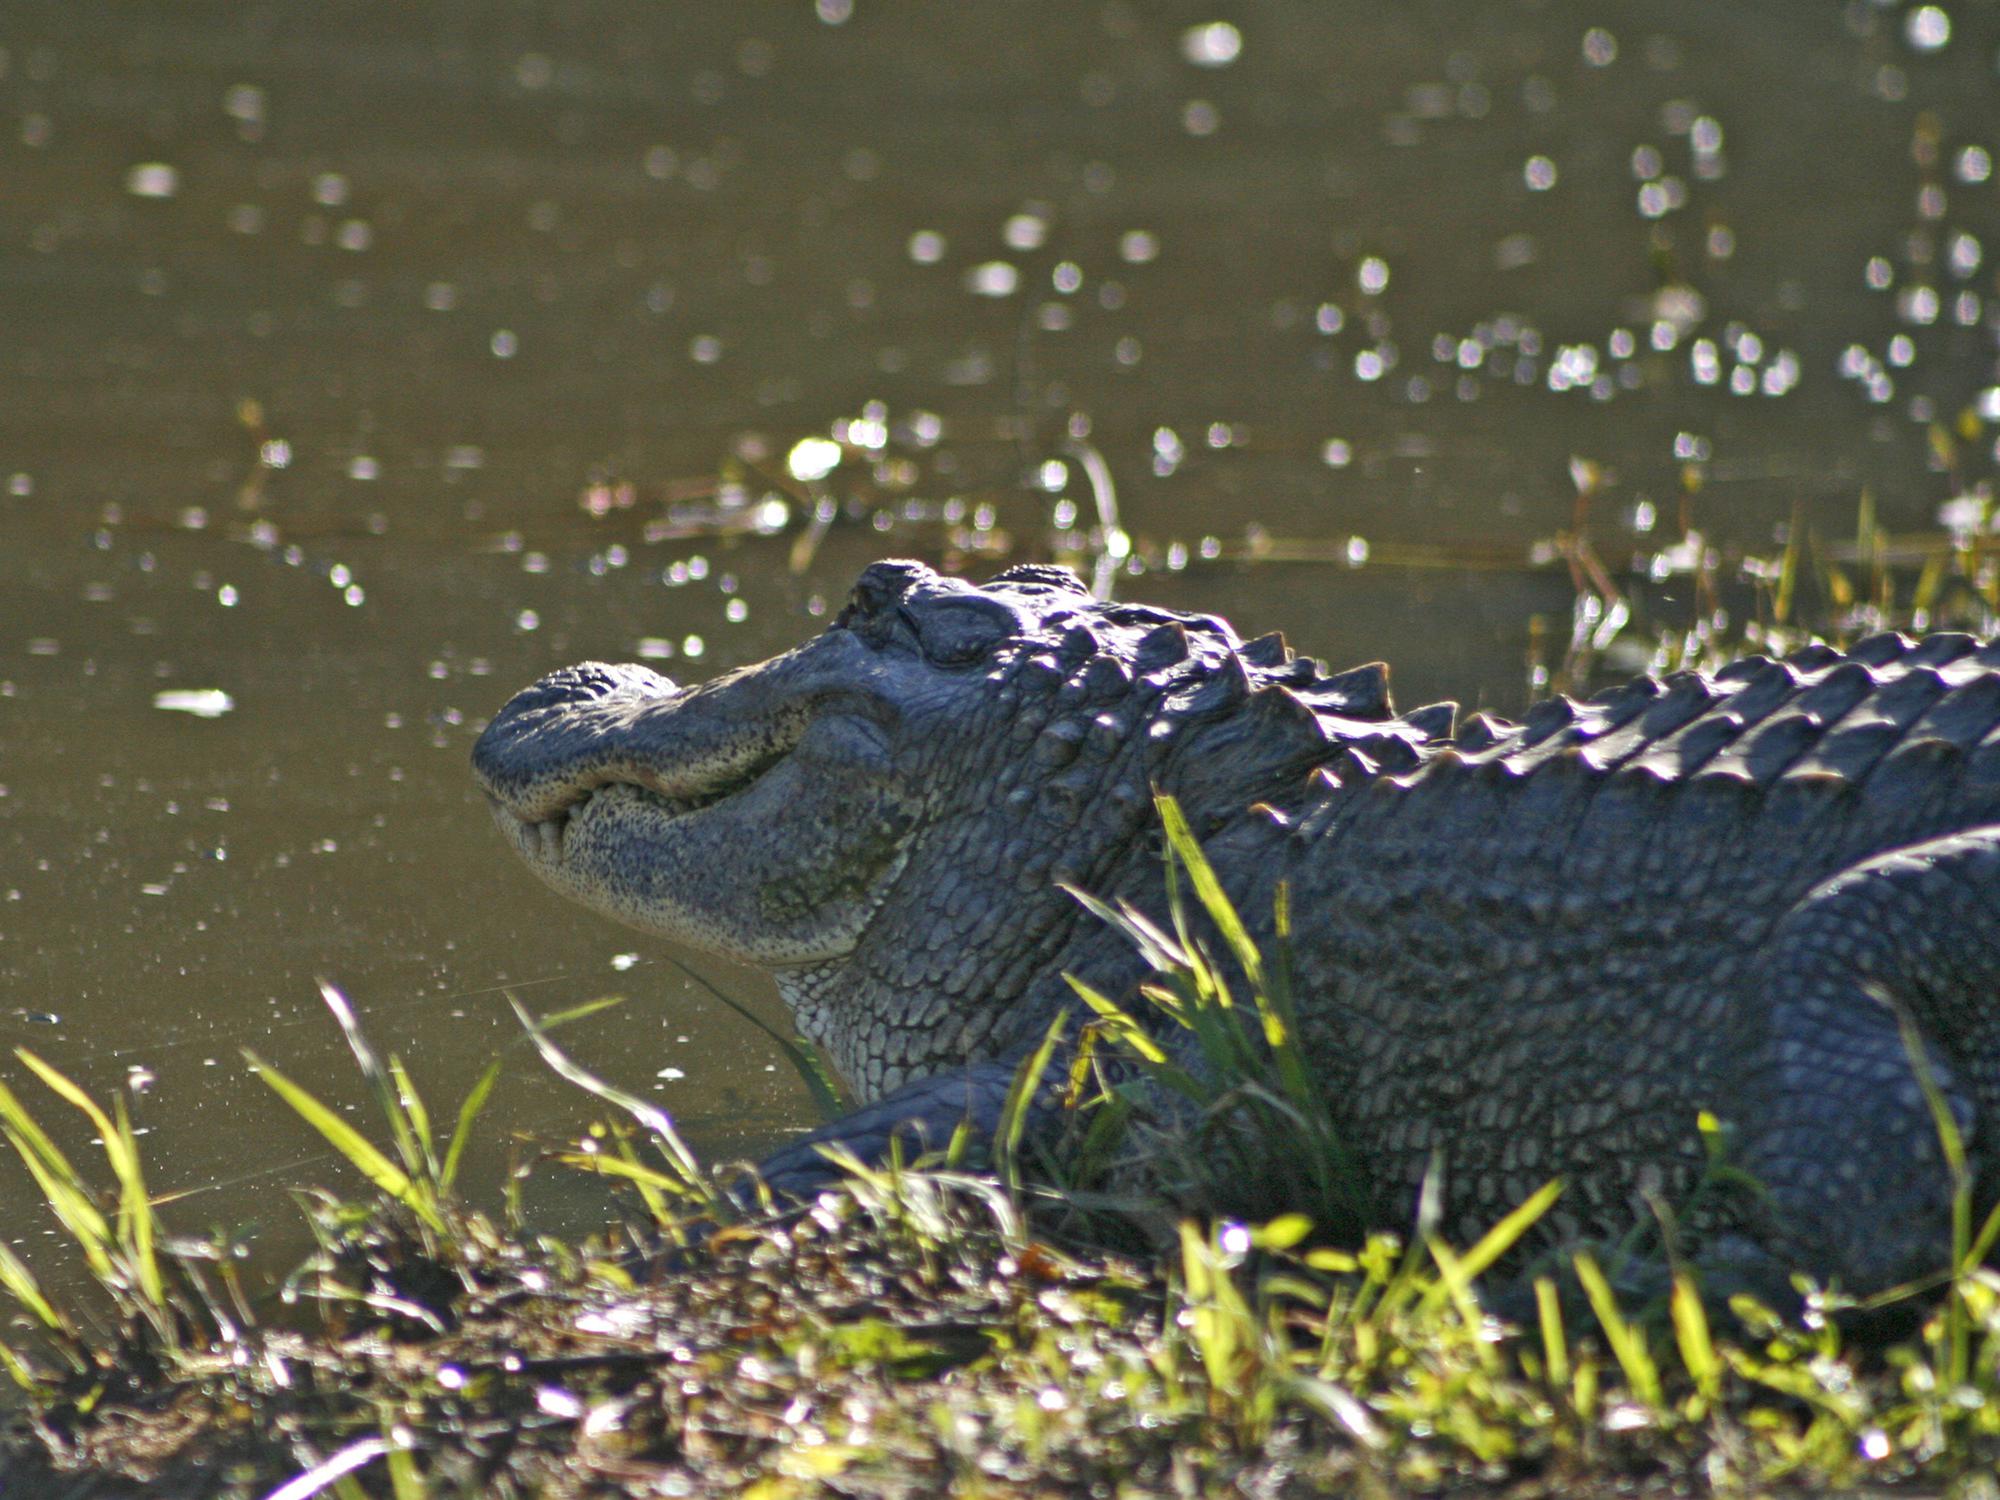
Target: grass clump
point(919, 1329)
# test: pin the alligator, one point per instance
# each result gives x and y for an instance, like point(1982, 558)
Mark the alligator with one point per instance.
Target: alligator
point(1766, 895)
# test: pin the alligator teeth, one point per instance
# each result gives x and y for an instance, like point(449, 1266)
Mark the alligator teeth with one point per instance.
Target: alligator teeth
point(549, 837)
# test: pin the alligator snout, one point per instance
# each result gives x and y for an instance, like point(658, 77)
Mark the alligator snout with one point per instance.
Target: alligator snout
point(556, 736)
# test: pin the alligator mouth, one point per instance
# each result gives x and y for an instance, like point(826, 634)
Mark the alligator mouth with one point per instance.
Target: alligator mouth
point(544, 835)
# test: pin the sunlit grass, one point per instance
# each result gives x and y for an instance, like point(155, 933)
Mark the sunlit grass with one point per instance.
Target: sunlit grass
point(920, 1328)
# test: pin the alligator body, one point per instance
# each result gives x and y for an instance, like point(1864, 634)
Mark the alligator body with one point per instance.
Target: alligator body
point(1521, 951)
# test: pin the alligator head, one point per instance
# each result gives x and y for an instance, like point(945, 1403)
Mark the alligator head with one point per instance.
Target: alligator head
point(882, 816)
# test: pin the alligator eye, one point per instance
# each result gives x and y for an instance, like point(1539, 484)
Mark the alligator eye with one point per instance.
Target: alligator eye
point(957, 632)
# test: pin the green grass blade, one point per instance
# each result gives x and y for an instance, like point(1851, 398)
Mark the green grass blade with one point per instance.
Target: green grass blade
point(34, 1140)
point(1691, 1332)
point(650, 1116)
point(71, 1202)
point(1020, 1099)
point(1627, 1341)
point(1157, 948)
point(406, 1482)
point(19, 1283)
point(1503, 1236)
point(556, 1019)
point(407, 1145)
point(1208, 890)
point(67, 1090)
point(1117, 1021)
point(637, 1173)
point(134, 1235)
point(68, 1194)
point(19, 1371)
point(1555, 1343)
point(468, 1111)
point(350, 1143)
point(412, 1105)
point(136, 1213)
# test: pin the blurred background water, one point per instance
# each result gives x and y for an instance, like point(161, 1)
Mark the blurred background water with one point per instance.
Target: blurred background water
point(360, 362)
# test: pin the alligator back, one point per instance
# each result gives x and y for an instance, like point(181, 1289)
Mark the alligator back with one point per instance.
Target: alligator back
point(1547, 946)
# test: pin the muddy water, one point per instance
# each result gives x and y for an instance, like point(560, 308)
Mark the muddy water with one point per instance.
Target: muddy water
point(355, 368)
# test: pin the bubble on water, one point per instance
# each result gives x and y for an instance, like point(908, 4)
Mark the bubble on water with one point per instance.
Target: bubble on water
point(1781, 374)
point(1373, 276)
point(812, 459)
point(504, 343)
point(693, 646)
point(1539, 174)
point(704, 348)
point(1927, 28)
point(1138, 246)
point(361, 466)
point(1918, 305)
point(1025, 231)
point(153, 179)
point(329, 189)
point(1658, 199)
point(1214, 45)
point(1974, 164)
point(1336, 453)
point(1199, 117)
point(927, 247)
point(244, 102)
point(202, 703)
point(1600, 47)
point(993, 278)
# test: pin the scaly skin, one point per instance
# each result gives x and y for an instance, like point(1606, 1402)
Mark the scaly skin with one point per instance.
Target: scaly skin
point(1522, 951)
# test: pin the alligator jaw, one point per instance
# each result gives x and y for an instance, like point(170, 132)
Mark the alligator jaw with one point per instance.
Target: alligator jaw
point(677, 811)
